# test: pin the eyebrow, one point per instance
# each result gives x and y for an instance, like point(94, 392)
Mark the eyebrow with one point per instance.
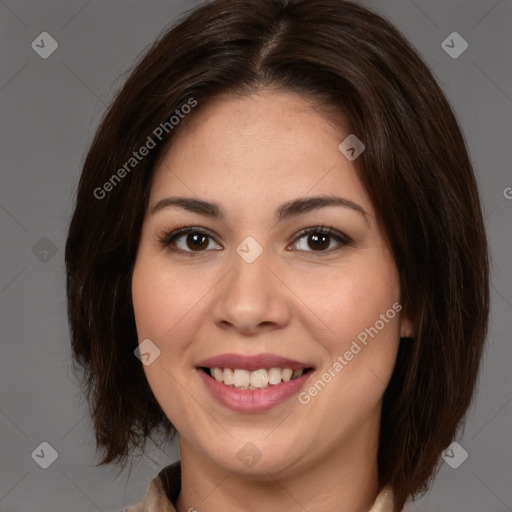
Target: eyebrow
point(285, 211)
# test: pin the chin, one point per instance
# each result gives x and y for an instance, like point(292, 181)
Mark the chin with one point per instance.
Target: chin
point(257, 460)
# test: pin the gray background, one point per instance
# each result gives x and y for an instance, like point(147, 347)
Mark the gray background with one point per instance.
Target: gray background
point(50, 109)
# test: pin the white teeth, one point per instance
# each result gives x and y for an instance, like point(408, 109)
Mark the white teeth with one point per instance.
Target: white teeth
point(274, 375)
point(296, 373)
point(228, 376)
point(241, 378)
point(286, 374)
point(258, 379)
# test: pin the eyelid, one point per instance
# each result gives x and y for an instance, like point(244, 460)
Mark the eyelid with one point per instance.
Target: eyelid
point(166, 240)
point(325, 230)
point(170, 236)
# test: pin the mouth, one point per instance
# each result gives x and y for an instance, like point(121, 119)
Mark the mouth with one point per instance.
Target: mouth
point(253, 383)
point(262, 378)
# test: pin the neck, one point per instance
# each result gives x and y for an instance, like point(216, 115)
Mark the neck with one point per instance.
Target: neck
point(343, 480)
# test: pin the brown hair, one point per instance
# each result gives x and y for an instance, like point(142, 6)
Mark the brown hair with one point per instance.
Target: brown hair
point(415, 168)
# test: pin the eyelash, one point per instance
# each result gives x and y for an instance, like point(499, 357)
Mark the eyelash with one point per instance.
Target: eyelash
point(166, 240)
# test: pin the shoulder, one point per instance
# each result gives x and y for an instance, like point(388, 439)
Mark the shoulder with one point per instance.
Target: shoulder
point(384, 501)
point(162, 491)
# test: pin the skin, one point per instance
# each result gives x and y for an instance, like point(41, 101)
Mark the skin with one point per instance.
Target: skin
point(251, 154)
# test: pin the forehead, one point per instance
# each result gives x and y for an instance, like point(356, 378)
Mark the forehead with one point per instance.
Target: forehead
point(265, 145)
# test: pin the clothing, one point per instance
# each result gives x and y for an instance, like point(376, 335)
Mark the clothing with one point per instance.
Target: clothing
point(163, 492)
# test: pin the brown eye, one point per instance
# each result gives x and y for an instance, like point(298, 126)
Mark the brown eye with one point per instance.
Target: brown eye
point(197, 241)
point(320, 240)
point(187, 241)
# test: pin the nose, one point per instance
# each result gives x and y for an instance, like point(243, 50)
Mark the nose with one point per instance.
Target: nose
point(251, 299)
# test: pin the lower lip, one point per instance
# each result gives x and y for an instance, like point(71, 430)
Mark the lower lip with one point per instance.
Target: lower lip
point(249, 400)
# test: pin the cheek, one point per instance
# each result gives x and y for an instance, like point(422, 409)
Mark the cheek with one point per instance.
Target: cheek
point(352, 298)
point(163, 297)
point(164, 301)
point(361, 309)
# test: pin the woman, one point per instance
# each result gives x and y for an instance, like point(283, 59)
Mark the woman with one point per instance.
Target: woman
point(278, 218)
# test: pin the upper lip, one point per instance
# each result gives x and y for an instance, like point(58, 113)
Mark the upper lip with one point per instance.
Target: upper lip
point(254, 362)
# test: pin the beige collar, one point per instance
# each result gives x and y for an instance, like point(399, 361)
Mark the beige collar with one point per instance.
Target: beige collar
point(157, 500)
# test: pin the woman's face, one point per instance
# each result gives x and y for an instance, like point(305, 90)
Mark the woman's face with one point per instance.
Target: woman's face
point(258, 291)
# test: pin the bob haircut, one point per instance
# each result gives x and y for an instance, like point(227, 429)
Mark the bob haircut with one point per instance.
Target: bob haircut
point(356, 67)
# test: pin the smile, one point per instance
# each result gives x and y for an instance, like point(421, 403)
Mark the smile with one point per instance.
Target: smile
point(252, 383)
point(259, 379)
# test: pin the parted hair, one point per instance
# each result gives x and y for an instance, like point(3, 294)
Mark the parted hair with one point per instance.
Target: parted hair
point(415, 168)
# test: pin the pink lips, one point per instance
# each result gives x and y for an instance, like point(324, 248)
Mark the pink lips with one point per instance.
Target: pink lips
point(248, 400)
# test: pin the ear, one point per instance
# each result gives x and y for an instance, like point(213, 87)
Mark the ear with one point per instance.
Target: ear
point(407, 329)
